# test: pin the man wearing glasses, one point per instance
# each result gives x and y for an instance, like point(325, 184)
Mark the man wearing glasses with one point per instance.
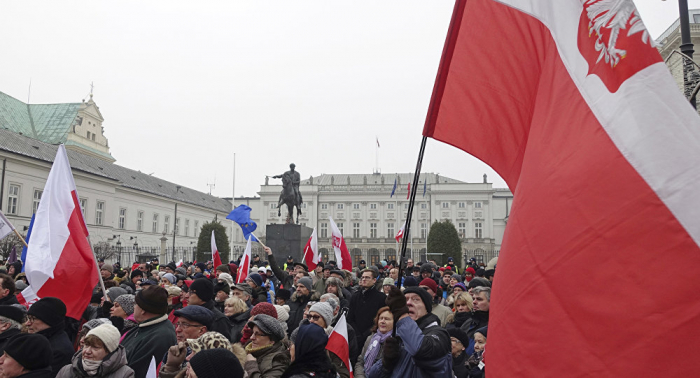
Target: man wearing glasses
point(194, 321)
point(364, 304)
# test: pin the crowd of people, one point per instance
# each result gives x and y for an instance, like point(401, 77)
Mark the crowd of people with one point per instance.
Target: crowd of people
point(194, 320)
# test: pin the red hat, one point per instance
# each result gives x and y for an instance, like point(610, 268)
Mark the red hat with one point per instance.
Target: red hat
point(264, 308)
point(442, 268)
point(430, 283)
point(471, 270)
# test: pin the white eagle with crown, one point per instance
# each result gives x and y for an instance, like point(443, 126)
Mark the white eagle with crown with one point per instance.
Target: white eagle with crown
point(616, 16)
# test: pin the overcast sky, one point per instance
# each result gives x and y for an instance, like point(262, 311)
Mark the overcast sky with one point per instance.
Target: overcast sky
point(183, 85)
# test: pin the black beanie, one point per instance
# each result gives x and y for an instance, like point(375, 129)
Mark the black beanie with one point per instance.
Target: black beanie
point(204, 289)
point(424, 296)
point(49, 310)
point(136, 273)
point(153, 299)
point(216, 363)
point(31, 350)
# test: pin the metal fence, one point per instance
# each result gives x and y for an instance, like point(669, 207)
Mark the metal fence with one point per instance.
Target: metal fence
point(128, 255)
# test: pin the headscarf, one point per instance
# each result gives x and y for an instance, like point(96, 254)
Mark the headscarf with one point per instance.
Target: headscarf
point(310, 353)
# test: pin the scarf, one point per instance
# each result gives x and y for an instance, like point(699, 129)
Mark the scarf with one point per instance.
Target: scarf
point(461, 317)
point(256, 352)
point(91, 367)
point(374, 345)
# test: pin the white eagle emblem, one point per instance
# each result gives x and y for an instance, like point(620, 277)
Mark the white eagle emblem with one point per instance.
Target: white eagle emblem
point(614, 15)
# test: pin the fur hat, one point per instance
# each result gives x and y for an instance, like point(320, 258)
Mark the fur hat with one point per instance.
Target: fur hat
point(126, 301)
point(325, 310)
point(269, 326)
point(109, 335)
point(153, 299)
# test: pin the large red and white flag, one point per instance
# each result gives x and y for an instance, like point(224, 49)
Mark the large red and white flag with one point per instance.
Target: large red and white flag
point(342, 255)
point(244, 269)
point(311, 255)
point(215, 251)
point(569, 101)
point(60, 262)
point(338, 343)
point(399, 234)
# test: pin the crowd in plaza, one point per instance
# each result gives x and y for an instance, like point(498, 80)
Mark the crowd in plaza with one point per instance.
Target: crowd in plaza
point(194, 320)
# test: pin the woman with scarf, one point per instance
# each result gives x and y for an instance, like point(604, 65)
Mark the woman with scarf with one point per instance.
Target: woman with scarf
point(101, 356)
point(267, 356)
point(462, 317)
point(309, 356)
point(374, 346)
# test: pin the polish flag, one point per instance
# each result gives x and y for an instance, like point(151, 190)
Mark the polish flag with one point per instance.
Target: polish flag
point(338, 343)
point(342, 255)
point(244, 268)
point(408, 194)
point(215, 251)
point(400, 233)
point(60, 262)
point(569, 101)
point(311, 256)
point(179, 263)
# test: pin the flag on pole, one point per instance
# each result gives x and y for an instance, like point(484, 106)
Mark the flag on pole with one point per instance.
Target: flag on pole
point(408, 191)
point(603, 139)
point(338, 343)
point(399, 234)
point(59, 248)
point(311, 256)
point(215, 251)
point(241, 215)
point(342, 255)
point(244, 268)
point(6, 227)
point(26, 240)
point(393, 190)
point(179, 263)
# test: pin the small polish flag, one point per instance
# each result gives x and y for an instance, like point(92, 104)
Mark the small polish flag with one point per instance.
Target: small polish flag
point(342, 254)
point(400, 233)
point(179, 263)
point(338, 343)
point(215, 251)
point(311, 256)
point(245, 263)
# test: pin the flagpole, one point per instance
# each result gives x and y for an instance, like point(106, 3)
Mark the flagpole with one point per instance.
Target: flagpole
point(233, 205)
point(20, 237)
point(256, 236)
point(97, 266)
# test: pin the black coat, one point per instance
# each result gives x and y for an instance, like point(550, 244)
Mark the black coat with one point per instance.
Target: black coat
point(5, 337)
point(479, 319)
point(238, 321)
point(286, 279)
point(60, 345)
point(297, 304)
point(40, 373)
point(8, 300)
point(363, 308)
point(220, 323)
point(459, 365)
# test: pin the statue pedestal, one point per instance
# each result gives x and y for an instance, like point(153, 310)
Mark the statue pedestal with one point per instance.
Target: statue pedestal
point(287, 240)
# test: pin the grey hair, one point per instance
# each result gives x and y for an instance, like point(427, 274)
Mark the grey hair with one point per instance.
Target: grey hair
point(482, 289)
point(332, 300)
point(13, 323)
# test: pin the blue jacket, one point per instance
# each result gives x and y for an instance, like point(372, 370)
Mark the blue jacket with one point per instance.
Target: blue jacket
point(426, 350)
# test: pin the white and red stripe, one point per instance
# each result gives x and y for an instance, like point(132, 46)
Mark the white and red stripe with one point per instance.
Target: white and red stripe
point(338, 343)
point(342, 254)
point(216, 258)
point(311, 255)
point(603, 162)
point(399, 234)
point(59, 261)
point(244, 269)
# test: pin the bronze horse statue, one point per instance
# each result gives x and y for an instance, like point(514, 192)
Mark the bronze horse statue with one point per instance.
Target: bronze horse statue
point(288, 197)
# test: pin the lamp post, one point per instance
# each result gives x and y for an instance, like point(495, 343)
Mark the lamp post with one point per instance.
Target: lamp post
point(136, 243)
point(687, 49)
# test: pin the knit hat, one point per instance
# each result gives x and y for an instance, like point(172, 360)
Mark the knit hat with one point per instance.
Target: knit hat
point(283, 294)
point(216, 363)
point(460, 335)
point(209, 340)
point(325, 310)
point(222, 286)
point(226, 277)
point(136, 273)
point(20, 285)
point(264, 308)
point(170, 277)
point(31, 350)
point(49, 310)
point(172, 266)
point(94, 323)
point(429, 282)
point(256, 278)
point(410, 281)
point(223, 268)
point(268, 325)
point(12, 312)
point(388, 281)
point(109, 335)
point(201, 266)
point(114, 292)
point(282, 313)
point(203, 288)
point(483, 331)
point(199, 314)
point(153, 299)
point(470, 270)
point(126, 302)
point(457, 277)
point(181, 270)
point(478, 281)
point(244, 287)
point(108, 267)
point(461, 285)
point(424, 296)
point(307, 282)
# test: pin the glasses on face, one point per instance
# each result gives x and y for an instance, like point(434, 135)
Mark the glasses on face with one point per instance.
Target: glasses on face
point(259, 334)
point(187, 325)
point(314, 317)
point(366, 278)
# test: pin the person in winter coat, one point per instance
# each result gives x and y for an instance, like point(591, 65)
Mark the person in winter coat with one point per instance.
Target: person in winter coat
point(364, 304)
point(101, 356)
point(297, 304)
point(123, 308)
point(202, 294)
point(353, 344)
point(335, 286)
point(154, 334)
point(7, 290)
point(460, 341)
point(26, 356)
point(373, 350)
point(47, 317)
point(11, 319)
point(215, 363)
point(286, 279)
point(462, 317)
point(477, 369)
point(180, 355)
point(480, 318)
point(260, 308)
point(267, 355)
point(238, 314)
point(308, 353)
point(255, 281)
point(422, 348)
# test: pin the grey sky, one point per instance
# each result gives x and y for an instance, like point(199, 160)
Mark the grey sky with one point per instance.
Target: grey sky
point(183, 85)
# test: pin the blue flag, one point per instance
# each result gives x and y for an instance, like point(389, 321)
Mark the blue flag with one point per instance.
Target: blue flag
point(24, 249)
point(425, 187)
point(393, 190)
point(241, 215)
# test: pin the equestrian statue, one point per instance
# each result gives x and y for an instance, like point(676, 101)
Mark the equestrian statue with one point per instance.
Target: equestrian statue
point(290, 193)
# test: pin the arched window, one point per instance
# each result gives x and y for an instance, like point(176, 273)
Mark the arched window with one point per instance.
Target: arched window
point(324, 254)
point(356, 254)
point(423, 254)
point(391, 254)
point(374, 256)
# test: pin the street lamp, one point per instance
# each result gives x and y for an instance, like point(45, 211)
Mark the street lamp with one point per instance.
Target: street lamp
point(136, 243)
point(686, 48)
